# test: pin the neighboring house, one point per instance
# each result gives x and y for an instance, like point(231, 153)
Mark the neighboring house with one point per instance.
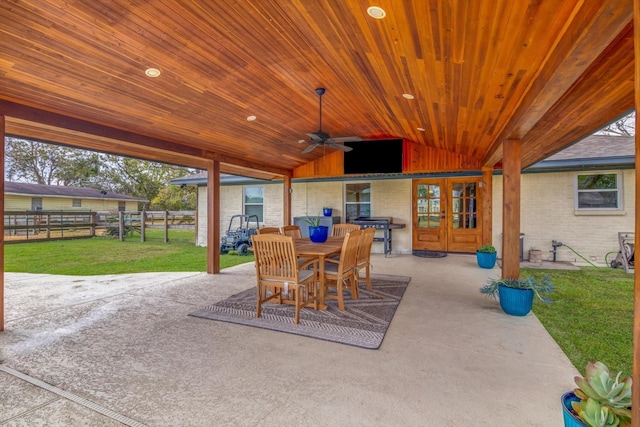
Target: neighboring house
point(582, 197)
point(19, 196)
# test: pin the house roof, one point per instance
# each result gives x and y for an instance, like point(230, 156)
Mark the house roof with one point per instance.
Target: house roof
point(26, 189)
point(237, 79)
point(592, 152)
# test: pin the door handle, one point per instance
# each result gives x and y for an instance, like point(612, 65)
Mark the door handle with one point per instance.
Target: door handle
point(442, 215)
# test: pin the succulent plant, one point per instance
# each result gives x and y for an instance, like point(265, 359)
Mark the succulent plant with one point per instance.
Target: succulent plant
point(542, 288)
point(490, 249)
point(604, 401)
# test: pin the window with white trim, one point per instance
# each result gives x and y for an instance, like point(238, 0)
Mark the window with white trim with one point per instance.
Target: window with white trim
point(598, 191)
point(254, 202)
point(357, 198)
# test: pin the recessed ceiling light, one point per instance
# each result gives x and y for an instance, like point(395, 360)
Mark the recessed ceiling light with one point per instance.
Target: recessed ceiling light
point(300, 141)
point(251, 118)
point(376, 12)
point(152, 72)
point(407, 95)
point(420, 129)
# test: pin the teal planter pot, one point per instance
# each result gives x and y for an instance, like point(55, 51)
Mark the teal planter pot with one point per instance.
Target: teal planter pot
point(516, 302)
point(570, 418)
point(486, 259)
point(319, 234)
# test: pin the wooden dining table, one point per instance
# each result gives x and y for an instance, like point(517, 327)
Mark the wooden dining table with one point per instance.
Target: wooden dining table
point(307, 249)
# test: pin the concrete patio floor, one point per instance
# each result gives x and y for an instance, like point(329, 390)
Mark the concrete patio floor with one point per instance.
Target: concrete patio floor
point(122, 350)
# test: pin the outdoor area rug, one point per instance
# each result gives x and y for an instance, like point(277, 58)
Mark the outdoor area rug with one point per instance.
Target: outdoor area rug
point(363, 323)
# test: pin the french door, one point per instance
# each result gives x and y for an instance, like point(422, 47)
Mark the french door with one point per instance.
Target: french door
point(446, 214)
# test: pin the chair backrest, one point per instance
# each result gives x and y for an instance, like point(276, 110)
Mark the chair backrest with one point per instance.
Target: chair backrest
point(349, 253)
point(364, 246)
point(275, 257)
point(269, 230)
point(291, 230)
point(340, 230)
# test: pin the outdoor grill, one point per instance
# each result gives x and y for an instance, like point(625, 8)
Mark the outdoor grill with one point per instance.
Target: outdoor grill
point(384, 224)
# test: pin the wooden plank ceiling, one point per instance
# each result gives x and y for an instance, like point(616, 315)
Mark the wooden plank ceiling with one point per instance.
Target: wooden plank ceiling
point(545, 71)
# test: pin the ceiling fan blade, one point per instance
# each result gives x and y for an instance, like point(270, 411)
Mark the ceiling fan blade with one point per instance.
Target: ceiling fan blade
point(310, 148)
point(347, 139)
point(314, 137)
point(338, 146)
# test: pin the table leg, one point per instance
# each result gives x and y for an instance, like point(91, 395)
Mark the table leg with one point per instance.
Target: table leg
point(322, 305)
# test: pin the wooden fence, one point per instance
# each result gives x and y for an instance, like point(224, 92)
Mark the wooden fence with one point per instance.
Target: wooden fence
point(23, 226)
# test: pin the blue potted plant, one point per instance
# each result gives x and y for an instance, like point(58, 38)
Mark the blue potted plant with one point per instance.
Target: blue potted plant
point(599, 400)
point(327, 211)
point(486, 256)
point(317, 233)
point(516, 295)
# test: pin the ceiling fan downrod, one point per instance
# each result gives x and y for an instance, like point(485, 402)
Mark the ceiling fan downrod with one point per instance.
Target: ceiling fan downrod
point(320, 91)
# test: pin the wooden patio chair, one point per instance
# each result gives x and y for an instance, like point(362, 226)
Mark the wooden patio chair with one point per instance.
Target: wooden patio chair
point(340, 230)
point(269, 230)
point(364, 255)
point(341, 273)
point(291, 230)
point(279, 278)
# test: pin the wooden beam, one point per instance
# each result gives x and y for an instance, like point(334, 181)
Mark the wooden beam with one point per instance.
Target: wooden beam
point(286, 201)
point(487, 206)
point(2, 135)
point(511, 209)
point(213, 217)
point(635, 388)
point(165, 150)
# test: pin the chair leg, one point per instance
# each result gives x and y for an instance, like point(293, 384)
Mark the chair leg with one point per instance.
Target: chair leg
point(297, 303)
point(339, 290)
point(368, 273)
point(259, 303)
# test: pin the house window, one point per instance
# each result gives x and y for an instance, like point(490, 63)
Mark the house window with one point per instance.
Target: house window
point(36, 203)
point(122, 206)
point(76, 203)
point(254, 202)
point(602, 191)
point(357, 200)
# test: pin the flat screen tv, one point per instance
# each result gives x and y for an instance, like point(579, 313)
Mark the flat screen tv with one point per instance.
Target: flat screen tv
point(374, 156)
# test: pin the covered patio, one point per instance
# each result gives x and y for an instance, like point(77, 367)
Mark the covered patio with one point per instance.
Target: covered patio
point(123, 350)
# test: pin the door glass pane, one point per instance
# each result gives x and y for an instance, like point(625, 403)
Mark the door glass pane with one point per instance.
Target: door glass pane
point(463, 204)
point(428, 205)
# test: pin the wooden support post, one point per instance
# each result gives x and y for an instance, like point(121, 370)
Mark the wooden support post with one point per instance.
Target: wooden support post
point(511, 164)
point(487, 206)
point(121, 226)
point(635, 388)
point(286, 200)
point(213, 217)
point(92, 219)
point(143, 225)
point(166, 226)
point(2, 135)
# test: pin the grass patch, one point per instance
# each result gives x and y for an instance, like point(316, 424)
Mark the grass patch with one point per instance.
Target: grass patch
point(591, 317)
point(105, 255)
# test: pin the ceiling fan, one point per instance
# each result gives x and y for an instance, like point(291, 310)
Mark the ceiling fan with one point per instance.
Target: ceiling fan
point(321, 138)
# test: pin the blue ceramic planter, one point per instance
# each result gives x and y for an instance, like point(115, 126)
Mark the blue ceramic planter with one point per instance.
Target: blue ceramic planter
point(327, 211)
point(486, 259)
point(319, 234)
point(570, 419)
point(516, 302)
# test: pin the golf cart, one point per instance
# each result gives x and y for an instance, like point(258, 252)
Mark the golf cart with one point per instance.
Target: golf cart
point(238, 236)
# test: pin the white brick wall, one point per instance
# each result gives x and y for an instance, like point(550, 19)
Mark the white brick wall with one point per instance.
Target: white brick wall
point(547, 213)
point(390, 198)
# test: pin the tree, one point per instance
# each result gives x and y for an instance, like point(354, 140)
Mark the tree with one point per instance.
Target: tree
point(49, 164)
point(625, 126)
point(41, 163)
point(175, 198)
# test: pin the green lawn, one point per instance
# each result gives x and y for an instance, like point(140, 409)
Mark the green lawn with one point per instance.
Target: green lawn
point(591, 316)
point(105, 255)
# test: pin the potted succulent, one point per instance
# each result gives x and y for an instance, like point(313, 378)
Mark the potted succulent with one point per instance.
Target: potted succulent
point(486, 256)
point(327, 211)
point(516, 295)
point(599, 400)
point(317, 233)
